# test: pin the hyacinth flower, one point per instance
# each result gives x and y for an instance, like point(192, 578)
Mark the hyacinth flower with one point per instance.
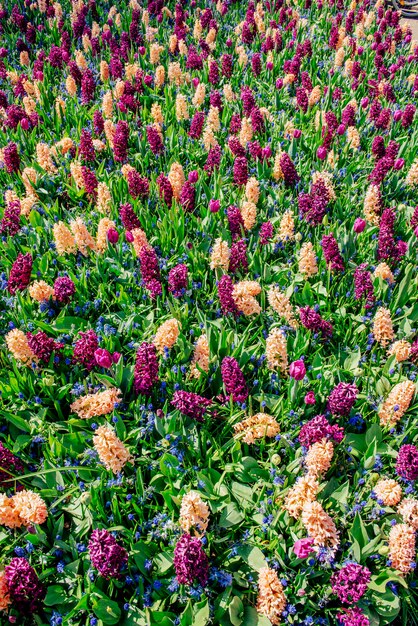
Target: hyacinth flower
point(106, 555)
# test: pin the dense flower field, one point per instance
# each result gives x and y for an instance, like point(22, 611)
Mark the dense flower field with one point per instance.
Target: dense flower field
point(209, 336)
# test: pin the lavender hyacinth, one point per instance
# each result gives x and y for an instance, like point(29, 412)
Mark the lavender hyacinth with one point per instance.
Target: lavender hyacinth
point(342, 398)
point(234, 380)
point(190, 561)
point(106, 555)
point(190, 404)
point(26, 592)
point(146, 369)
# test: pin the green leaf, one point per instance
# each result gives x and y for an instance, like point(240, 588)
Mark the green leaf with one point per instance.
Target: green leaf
point(201, 617)
point(236, 611)
point(253, 556)
point(107, 610)
point(230, 516)
point(55, 594)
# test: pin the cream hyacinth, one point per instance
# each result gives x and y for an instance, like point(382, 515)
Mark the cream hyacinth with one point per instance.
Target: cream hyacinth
point(271, 600)
point(167, 335)
point(280, 302)
point(112, 453)
point(276, 351)
point(319, 525)
point(399, 398)
point(257, 427)
point(194, 514)
point(303, 491)
point(95, 404)
point(200, 359)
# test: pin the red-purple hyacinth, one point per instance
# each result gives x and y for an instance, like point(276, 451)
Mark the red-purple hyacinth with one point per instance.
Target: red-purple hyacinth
point(25, 589)
point(388, 248)
point(42, 345)
point(89, 180)
point(120, 142)
point(238, 259)
point(332, 253)
point(214, 159)
point(146, 369)
point(19, 277)
point(128, 217)
point(190, 561)
point(363, 285)
point(84, 349)
point(234, 380)
point(106, 555)
point(196, 125)
point(319, 428)
point(86, 147)
point(98, 122)
point(10, 465)
point(407, 462)
point(312, 320)
point(342, 399)
point(11, 158)
point(191, 404)
point(138, 186)
point(187, 197)
point(225, 289)
point(64, 289)
point(88, 87)
point(10, 224)
point(266, 233)
point(287, 166)
point(165, 189)
point(240, 171)
point(178, 279)
point(235, 221)
point(154, 140)
point(150, 268)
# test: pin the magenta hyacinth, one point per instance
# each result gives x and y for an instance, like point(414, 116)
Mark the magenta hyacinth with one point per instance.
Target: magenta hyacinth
point(154, 140)
point(138, 186)
point(64, 289)
point(25, 589)
point(191, 404)
point(178, 279)
point(11, 158)
point(407, 462)
point(187, 196)
point(190, 561)
point(388, 248)
point(353, 617)
point(238, 259)
point(146, 369)
point(266, 233)
point(165, 189)
point(287, 166)
point(106, 555)
point(19, 277)
point(350, 582)
point(332, 253)
point(86, 147)
point(240, 171)
point(235, 221)
point(88, 87)
point(89, 180)
point(150, 270)
point(196, 125)
point(10, 224)
point(342, 398)
point(234, 380)
point(319, 428)
point(84, 349)
point(363, 286)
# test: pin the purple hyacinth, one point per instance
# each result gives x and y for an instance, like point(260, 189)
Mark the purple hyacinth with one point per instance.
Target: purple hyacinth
point(86, 147)
point(42, 345)
point(214, 159)
point(25, 589)
point(190, 561)
point(240, 171)
point(248, 100)
point(227, 65)
point(407, 462)
point(150, 268)
point(88, 87)
point(332, 253)
point(98, 122)
point(129, 218)
point(138, 186)
point(154, 140)
point(312, 320)
point(408, 115)
point(11, 158)
point(363, 286)
point(106, 555)
point(120, 142)
point(266, 233)
point(238, 258)
point(196, 125)
point(319, 428)
point(235, 221)
point(19, 277)
point(235, 146)
point(10, 465)
point(350, 582)
point(89, 180)
point(342, 398)
point(213, 76)
point(353, 617)
point(234, 380)
point(64, 289)
point(187, 196)
point(165, 189)
point(388, 248)
point(225, 289)
point(146, 369)
point(84, 349)
point(10, 224)
point(191, 404)
point(177, 280)
point(287, 166)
